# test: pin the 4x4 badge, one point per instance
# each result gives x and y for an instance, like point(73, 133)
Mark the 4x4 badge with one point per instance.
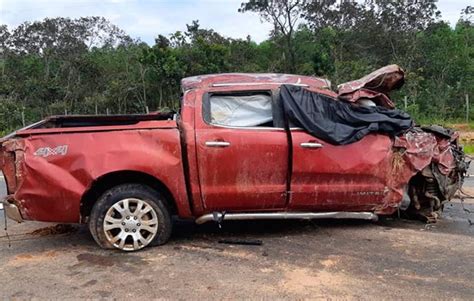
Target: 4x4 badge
point(48, 151)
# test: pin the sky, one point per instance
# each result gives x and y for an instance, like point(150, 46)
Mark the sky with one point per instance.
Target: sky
point(145, 19)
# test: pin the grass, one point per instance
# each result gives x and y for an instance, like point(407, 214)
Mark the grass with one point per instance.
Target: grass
point(457, 124)
point(469, 149)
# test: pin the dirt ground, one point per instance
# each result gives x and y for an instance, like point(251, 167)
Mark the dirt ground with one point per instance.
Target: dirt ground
point(391, 259)
point(466, 137)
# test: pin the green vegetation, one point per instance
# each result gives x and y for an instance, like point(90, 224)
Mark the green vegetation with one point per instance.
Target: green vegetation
point(469, 149)
point(88, 65)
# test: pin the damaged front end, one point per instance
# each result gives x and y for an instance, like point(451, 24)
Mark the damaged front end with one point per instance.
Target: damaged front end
point(439, 164)
point(428, 164)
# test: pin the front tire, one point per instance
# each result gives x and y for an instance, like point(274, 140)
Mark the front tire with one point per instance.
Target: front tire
point(130, 217)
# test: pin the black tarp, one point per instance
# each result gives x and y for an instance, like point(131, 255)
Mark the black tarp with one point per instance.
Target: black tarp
point(339, 122)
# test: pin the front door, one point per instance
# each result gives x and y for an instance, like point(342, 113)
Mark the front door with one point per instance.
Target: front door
point(242, 158)
point(339, 177)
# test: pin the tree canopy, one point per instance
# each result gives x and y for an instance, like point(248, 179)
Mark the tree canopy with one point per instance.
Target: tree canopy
point(88, 65)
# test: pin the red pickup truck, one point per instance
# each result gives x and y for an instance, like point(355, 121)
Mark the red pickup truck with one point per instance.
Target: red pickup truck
point(126, 175)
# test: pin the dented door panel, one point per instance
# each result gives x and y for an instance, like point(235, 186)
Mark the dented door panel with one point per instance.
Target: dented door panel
point(339, 177)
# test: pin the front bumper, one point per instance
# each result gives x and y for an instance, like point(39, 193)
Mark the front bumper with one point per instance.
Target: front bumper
point(11, 210)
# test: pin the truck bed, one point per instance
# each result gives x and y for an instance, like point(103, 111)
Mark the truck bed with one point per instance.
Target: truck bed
point(94, 123)
point(98, 120)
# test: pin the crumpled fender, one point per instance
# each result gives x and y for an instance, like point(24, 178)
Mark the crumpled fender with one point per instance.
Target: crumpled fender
point(413, 152)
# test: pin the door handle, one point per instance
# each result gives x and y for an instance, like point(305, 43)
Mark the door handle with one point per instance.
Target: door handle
point(217, 143)
point(311, 145)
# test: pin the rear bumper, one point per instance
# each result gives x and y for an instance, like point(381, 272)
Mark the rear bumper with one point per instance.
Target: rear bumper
point(11, 210)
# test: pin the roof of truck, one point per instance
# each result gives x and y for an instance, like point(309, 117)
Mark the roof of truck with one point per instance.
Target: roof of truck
point(251, 79)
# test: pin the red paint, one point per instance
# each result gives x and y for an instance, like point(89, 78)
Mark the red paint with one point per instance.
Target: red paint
point(51, 188)
point(374, 86)
point(340, 177)
point(249, 175)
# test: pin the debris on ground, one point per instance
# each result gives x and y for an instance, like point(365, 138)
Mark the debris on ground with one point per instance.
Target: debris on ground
point(254, 242)
point(55, 230)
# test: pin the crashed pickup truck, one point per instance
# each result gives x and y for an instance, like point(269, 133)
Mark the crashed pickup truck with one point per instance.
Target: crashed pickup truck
point(241, 147)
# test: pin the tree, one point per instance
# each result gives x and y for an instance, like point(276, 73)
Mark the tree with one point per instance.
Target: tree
point(284, 14)
point(467, 14)
point(4, 38)
point(88, 65)
point(343, 31)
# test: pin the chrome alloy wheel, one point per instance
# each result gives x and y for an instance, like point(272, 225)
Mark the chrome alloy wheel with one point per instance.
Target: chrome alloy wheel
point(130, 224)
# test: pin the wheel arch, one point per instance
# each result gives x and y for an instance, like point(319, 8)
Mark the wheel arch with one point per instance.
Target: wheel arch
point(109, 180)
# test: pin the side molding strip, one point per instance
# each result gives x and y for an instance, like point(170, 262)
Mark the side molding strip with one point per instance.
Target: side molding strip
point(220, 216)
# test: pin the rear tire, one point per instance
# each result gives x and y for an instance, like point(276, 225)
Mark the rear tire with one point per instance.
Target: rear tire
point(130, 217)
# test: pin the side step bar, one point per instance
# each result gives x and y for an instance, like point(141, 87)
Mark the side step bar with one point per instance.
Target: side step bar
point(220, 216)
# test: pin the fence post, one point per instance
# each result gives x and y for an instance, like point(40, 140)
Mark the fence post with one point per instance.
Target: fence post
point(96, 109)
point(467, 108)
point(23, 117)
point(405, 100)
point(107, 111)
point(147, 110)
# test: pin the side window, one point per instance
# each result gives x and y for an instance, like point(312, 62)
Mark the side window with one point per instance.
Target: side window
point(245, 110)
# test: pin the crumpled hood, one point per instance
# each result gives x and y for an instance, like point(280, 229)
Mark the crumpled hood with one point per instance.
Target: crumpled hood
point(423, 146)
point(374, 86)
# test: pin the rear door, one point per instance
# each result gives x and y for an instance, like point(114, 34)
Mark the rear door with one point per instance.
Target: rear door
point(242, 158)
point(339, 177)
